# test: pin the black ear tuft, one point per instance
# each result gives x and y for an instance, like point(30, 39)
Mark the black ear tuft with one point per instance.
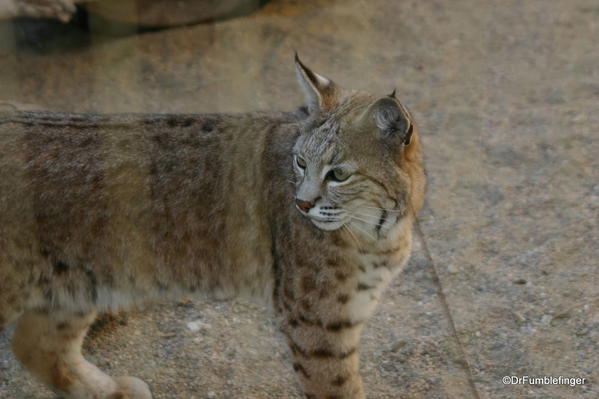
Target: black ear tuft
point(392, 95)
point(318, 89)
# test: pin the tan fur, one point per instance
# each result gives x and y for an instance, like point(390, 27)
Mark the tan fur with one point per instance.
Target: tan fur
point(101, 212)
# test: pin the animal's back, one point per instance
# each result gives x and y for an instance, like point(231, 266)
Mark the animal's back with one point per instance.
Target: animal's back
point(107, 210)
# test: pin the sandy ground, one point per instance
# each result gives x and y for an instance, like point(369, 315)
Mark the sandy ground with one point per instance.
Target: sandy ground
point(504, 279)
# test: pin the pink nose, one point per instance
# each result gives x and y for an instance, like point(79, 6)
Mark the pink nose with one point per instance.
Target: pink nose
point(305, 206)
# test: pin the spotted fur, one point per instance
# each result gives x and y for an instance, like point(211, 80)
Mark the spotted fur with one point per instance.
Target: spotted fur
point(310, 211)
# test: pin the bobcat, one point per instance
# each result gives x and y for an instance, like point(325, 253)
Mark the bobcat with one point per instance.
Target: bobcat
point(310, 211)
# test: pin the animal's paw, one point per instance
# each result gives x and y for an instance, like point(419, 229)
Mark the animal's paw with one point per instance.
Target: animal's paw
point(58, 9)
point(131, 388)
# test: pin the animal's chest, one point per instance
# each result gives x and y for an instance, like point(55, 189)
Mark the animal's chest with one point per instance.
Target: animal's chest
point(373, 273)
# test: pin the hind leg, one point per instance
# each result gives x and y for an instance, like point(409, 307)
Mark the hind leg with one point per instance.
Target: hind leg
point(49, 346)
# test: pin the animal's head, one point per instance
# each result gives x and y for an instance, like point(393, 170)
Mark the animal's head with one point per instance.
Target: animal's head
point(357, 160)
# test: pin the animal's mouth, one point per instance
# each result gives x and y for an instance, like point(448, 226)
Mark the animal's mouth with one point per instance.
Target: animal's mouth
point(327, 218)
point(326, 223)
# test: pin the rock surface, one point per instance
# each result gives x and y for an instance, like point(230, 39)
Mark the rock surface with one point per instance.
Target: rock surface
point(504, 279)
point(164, 13)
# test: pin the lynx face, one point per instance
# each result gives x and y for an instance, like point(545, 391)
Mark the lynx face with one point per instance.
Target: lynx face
point(347, 162)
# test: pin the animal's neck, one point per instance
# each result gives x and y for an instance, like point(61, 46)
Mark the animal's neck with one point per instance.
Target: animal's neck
point(369, 243)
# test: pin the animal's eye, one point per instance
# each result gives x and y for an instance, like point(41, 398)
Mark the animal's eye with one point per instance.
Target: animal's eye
point(339, 175)
point(301, 162)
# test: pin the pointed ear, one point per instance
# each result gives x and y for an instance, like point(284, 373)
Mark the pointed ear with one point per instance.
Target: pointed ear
point(391, 119)
point(318, 90)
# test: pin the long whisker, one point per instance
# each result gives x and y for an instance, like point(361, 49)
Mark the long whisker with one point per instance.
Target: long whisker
point(366, 215)
point(369, 222)
point(380, 209)
point(365, 232)
point(352, 235)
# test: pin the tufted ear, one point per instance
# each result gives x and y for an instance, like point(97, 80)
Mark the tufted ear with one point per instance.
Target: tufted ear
point(391, 119)
point(319, 91)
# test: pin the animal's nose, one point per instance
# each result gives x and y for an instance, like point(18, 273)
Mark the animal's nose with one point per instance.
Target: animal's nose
point(305, 206)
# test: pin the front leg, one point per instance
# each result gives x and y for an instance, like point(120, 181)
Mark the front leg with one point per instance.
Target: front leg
point(326, 361)
point(323, 310)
